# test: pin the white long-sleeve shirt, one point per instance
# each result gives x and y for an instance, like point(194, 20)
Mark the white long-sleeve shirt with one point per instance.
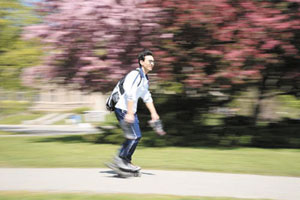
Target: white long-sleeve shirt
point(136, 85)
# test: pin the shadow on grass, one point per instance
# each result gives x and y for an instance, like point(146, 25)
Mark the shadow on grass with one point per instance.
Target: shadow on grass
point(91, 139)
point(69, 139)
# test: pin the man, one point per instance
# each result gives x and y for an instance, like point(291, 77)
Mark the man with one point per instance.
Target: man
point(136, 85)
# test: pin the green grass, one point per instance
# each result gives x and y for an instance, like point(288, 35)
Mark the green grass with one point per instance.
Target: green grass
point(76, 151)
point(14, 112)
point(48, 196)
point(17, 119)
point(6, 133)
point(13, 107)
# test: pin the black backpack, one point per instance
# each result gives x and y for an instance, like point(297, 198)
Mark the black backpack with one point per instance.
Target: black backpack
point(114, 97)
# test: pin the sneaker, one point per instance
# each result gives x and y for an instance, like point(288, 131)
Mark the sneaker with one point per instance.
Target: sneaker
point(134, 167)
point(121, 163)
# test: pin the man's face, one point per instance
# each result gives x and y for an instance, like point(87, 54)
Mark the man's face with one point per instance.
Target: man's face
point(148, 63)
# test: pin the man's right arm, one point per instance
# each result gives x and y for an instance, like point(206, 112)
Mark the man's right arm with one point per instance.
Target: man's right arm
point(129, 117)
point(130, 86)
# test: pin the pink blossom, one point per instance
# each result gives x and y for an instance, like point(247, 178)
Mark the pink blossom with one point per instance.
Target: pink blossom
point(270, 44)
point(233, 55)
point(248, 72)
point(167, 35)
point(213, 52)
point(283, 26)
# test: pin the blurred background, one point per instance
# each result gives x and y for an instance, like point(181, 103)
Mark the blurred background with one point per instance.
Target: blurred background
point(227, 71)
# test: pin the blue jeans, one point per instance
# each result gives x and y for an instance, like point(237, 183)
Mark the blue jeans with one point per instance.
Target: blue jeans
point(129, 145)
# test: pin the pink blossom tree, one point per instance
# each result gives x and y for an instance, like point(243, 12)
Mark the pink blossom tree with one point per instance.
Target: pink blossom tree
point(91, 43)
point(227, 44)
point(199, 45)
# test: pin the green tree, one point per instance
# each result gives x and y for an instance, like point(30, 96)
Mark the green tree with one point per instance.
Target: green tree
point(15, 53)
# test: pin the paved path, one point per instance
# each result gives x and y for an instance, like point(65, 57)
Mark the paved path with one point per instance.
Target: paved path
point(43, 130)
point(151, 182)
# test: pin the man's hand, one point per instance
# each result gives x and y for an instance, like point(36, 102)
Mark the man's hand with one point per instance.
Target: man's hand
point(129, 118)
point(157, 127)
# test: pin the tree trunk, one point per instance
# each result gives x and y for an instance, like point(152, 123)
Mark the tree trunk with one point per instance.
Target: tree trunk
point(260, 97)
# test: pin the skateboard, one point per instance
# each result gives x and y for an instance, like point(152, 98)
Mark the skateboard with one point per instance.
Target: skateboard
point(121, 173)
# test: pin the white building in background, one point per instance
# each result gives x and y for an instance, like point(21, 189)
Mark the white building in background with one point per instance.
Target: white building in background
point(57, 98)
point(52, 98)
point(60, 98)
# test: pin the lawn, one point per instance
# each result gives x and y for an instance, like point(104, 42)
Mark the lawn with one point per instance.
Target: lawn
point(18, 119)
point(45, 196)
point(6, 133)
point(14, 112)
point(75, 151)
point(13, 107)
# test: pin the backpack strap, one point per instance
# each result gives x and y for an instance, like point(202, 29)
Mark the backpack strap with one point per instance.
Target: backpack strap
point(141, 76)
point(121, 82)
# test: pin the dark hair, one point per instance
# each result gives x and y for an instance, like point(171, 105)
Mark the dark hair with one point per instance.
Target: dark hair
point(142, 55)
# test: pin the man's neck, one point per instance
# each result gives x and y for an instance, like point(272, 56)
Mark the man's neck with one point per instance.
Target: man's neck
point(145, 70)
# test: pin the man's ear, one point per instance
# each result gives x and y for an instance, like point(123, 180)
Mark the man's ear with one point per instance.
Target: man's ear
point(142, 62)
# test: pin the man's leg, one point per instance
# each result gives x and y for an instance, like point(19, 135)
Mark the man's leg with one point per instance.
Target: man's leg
point(132, 134)
point(137, 130)
point(131, 143)
point(125, 149)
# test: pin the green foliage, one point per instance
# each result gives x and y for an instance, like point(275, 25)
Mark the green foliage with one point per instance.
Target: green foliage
point(212, 119)
point(187, 125)
point(13, 61)
point(110, 120)
point(290, 101)
point(172, 87)
point(15, 53)
point(110, 136)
